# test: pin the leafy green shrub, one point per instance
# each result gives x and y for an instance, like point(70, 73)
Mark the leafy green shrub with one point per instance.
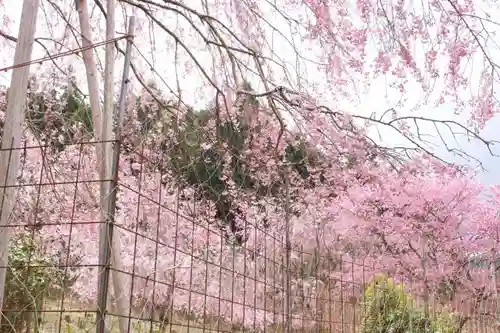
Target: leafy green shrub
point(29, 276)
point(389, 309)
point(58, 116)
point(445, 322)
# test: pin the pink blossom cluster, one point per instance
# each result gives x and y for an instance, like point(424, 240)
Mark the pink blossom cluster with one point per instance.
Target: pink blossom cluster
point(426, 44)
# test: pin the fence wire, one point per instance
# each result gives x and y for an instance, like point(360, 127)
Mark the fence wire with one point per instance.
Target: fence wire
point(189, 256)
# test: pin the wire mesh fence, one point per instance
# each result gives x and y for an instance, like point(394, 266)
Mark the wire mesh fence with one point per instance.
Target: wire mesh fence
point(188, 257)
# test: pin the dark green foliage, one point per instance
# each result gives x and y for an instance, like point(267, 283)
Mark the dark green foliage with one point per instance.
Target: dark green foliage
point(198, 162)
point(76, 110)
point(146, 116)
point(197, 165)
point(297, 156)
point(251, 99)
point(59, 117)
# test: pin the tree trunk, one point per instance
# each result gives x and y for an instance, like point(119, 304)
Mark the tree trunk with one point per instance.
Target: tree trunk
point(14, 119)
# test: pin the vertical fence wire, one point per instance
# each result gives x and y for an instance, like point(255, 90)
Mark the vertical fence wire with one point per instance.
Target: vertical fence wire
point(288, 249)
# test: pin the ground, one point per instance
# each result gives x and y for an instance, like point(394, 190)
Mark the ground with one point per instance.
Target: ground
point(76, 320)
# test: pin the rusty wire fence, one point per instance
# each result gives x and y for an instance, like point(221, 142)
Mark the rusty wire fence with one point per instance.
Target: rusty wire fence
point(179, 263)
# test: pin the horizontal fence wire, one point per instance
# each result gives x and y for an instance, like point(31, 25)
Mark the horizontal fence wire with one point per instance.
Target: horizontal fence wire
point(188, 260)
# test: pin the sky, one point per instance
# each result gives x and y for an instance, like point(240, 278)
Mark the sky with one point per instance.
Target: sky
point(365, 96)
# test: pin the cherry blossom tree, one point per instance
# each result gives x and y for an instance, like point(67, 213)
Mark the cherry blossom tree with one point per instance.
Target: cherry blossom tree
point(271, 156)
point(422, 227)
